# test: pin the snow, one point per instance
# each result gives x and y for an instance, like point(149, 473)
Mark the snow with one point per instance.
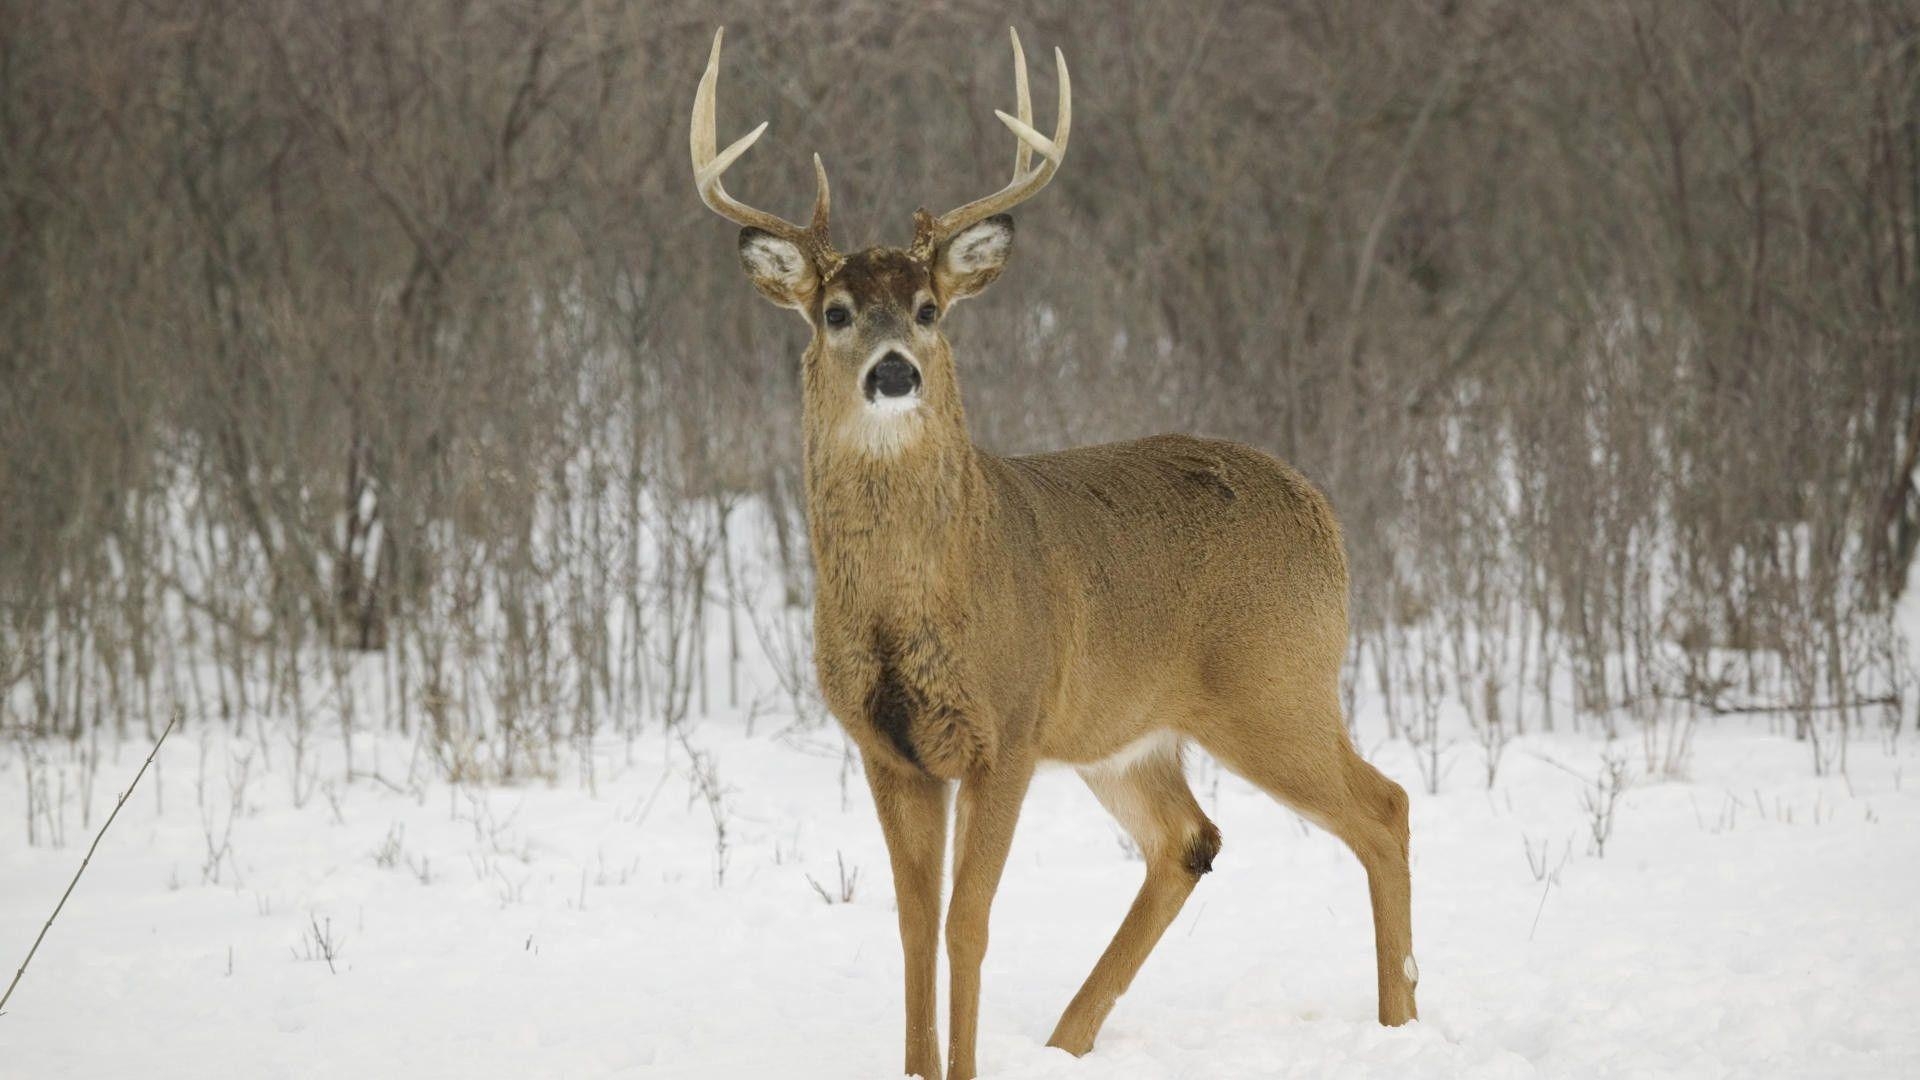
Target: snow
point(1749, 920)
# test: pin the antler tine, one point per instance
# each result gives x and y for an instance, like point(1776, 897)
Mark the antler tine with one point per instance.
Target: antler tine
point(822, 199)
point(1026, 182)
point(1022, 153)
point(709, 165)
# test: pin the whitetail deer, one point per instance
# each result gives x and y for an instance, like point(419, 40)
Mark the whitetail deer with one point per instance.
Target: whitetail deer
point(976, 615)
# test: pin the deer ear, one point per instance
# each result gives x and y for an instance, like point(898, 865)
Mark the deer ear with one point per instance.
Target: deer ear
point(970, 261)
point(778, 268)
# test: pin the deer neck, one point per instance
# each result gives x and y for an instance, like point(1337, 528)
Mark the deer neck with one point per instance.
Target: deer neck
point(896, 515)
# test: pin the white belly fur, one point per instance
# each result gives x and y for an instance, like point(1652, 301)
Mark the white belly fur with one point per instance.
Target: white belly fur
point(1158, 743)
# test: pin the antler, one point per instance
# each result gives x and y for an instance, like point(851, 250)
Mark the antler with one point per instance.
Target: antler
point(708, 165)
point(930, 232)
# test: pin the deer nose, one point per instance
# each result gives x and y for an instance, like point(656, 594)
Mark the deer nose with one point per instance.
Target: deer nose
point(894, 376)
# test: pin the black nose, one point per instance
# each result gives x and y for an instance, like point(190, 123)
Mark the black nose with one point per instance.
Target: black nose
point(893, 376)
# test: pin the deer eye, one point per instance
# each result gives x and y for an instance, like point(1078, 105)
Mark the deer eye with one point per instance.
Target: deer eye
point(838, 316)
point(929, 311)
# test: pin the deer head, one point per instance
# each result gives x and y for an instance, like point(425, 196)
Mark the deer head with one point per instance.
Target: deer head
point(878, 367)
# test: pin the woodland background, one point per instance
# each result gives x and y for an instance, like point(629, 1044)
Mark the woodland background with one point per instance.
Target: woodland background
point(392, 338)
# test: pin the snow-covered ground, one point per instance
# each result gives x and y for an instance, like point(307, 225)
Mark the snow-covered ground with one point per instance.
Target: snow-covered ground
point(1747, 921)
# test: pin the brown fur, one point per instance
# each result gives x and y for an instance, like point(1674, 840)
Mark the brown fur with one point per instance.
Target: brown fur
point(978, 614)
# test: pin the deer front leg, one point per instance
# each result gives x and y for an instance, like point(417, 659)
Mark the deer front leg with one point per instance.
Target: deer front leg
point(913, 816)
point(989, 806)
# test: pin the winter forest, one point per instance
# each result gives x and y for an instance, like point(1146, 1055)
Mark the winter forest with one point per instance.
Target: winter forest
point(384, 419)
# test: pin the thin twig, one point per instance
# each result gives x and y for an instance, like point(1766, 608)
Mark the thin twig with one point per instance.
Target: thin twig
point(1545, 889)
point(171, 721)
point(377, 778)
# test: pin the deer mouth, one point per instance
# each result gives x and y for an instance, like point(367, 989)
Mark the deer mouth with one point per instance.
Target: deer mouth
point(892, 384)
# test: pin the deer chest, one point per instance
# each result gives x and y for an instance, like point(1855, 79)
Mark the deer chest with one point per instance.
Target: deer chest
point(901, 693)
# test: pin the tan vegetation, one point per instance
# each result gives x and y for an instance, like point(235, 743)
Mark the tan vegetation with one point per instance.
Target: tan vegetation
point(386, 339)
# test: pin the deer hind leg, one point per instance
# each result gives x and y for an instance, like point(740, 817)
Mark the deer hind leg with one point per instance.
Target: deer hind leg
point(1306, 762)
point(1376, 830)
point(1150, 798)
